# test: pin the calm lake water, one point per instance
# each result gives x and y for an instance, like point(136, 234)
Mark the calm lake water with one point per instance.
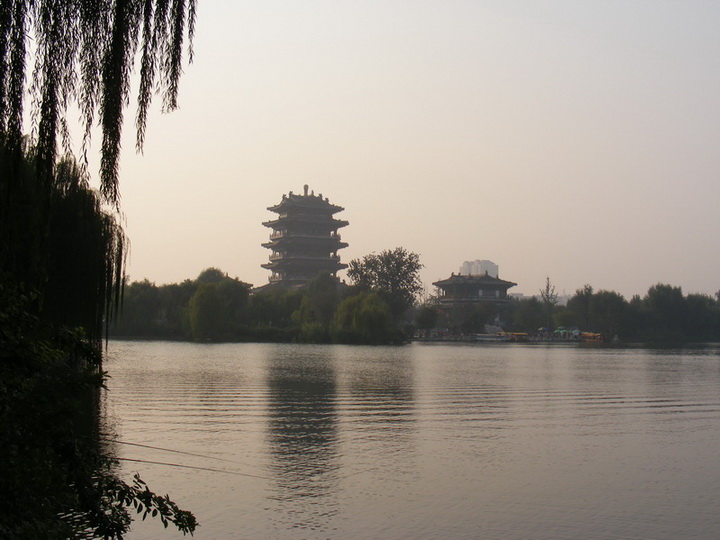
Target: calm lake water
point(422, 441)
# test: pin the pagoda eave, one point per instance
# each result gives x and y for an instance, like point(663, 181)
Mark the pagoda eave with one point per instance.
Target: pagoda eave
point(328, 243)
point(284, 221)
point(323, 267)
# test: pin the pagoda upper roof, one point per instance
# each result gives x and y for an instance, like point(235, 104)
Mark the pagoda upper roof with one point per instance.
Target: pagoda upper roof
point(463, 279)
point(306, 202)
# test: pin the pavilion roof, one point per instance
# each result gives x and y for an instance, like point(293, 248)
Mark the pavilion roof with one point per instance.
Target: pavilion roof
point(463, 279)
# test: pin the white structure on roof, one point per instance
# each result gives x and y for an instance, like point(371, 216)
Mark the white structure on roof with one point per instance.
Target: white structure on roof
point(479, 268)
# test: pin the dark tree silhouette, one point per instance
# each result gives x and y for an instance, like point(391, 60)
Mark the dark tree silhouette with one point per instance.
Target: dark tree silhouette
point(579, 306)
point(62, 255)
point(85, 255)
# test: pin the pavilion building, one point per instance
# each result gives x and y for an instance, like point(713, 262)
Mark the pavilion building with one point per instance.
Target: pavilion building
point(304, 239)
point(467, 300)
point(466, 290)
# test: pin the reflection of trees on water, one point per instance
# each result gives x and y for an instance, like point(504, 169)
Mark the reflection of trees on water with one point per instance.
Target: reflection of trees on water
point(302, 435)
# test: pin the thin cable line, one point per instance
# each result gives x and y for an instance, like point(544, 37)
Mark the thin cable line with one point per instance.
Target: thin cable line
point(169, 450)
point(201, 456)
point(179, 465)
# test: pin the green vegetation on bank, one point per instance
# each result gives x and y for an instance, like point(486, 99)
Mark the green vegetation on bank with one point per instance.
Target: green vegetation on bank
point(664, 314)
point(379, 307)
point(215, 307)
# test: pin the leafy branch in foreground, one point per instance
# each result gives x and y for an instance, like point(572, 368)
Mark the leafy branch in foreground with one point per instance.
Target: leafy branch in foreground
point(146, 503)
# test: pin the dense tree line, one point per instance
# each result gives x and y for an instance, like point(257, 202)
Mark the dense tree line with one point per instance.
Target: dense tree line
point(380, 307)
point(664, 314)
point(215, 307)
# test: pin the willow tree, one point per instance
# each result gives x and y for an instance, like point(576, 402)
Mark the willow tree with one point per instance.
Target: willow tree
point(85, 255)
point(61, 254)
point(84, 53)
point(58, 54)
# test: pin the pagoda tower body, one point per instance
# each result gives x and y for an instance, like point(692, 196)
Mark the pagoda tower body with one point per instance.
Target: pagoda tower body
point(305, 239)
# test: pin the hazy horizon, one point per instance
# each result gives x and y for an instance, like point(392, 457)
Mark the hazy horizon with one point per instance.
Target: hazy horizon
point(571, 139)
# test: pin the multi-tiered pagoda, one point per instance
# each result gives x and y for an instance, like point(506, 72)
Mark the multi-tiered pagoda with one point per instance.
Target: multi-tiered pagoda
point(305, 239)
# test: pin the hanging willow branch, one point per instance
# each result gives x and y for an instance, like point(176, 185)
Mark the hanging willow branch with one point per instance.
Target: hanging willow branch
point(84, 52)
point(87, 251)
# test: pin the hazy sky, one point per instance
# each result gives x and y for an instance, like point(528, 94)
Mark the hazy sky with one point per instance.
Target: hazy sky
point(573, 139)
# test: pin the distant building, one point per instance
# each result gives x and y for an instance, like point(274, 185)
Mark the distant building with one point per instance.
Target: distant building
point(304, 239)
point(479, 268)
point(469, 303)
point(468, 290)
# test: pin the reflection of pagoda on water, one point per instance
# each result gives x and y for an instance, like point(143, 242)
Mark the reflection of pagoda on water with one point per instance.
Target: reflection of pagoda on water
point(305, 239)
point(302, 440)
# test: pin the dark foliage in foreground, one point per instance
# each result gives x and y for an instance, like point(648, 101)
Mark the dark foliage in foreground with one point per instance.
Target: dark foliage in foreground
point(60, 277)
point(55, 481)
point(62, 256)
